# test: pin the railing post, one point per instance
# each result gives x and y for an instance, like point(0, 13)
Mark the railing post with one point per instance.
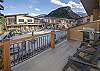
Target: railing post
point(52, 39)
point(6, 56)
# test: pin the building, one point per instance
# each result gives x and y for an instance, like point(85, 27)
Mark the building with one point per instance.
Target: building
point(83, 20)
point(57, 22)
point(23, 21)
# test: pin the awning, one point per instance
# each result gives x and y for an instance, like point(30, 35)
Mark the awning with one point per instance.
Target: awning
point(89, 5)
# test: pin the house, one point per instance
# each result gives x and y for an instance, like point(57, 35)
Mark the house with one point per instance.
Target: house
point(85, 19)
point(82, 20)
point(23, 21)
point(57, 22)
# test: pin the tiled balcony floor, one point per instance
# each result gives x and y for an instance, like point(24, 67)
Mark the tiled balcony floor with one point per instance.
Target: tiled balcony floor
point(51, 59)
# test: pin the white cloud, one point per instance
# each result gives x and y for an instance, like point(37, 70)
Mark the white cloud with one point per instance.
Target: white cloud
point(72, 4)
point(34, 14)
point(37, 9)
point(75, 5)
point(58, 2)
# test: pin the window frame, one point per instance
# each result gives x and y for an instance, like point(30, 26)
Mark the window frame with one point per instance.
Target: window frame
point(20, 19)
point(28, 20)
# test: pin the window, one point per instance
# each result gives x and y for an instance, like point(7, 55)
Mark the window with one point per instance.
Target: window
point(11, 21)
point(21, 20)
point(29, 20)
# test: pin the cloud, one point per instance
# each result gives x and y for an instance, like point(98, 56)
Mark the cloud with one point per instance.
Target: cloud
point(58, 2)
point(72, 4)
point(37, 9)
point(75, 5)
point(34, 14)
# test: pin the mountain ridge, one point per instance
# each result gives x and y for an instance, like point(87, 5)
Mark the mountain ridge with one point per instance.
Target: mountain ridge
point(63, 12)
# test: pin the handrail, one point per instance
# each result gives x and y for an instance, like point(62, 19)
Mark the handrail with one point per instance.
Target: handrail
point(25, 38)
point(30, 37)
point(11, 47)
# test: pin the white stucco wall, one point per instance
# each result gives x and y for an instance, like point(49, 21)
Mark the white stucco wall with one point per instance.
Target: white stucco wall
point(25, 19)
point(13, 17)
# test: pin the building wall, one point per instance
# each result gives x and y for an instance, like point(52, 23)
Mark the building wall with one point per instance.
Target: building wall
point(25, 20)
point(11, 20)
point(35, 24)
point(86, 19)
point(37, 21)
point(57, 21)
point(75, 34)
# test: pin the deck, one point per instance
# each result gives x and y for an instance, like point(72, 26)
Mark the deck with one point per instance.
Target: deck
point(51, 59)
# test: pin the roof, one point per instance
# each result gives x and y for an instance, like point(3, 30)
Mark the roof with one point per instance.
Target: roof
point(84, 17)
point(29, 16)
point(26, 15)
point(89, 5)
point(15, 15)
point(82, 24)
point(56, 18)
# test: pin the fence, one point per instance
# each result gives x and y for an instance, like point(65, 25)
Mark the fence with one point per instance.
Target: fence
point(17, 51)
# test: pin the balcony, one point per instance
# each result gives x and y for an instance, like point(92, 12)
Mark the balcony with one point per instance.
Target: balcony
point(22, 48)
point(45, 52)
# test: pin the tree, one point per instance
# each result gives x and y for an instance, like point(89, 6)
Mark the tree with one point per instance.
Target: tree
point(2, 19)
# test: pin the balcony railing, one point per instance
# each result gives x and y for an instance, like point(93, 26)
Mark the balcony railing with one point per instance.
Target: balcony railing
point(14, 52)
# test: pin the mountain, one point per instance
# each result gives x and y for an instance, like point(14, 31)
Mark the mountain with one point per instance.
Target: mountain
point(81, 14)
point(63, 12)
point(40, 16)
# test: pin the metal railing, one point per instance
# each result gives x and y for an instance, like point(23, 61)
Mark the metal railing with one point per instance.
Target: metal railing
point(19, 50)
point(26, 49)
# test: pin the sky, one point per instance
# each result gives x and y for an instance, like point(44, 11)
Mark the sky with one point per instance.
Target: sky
point(36, 7)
